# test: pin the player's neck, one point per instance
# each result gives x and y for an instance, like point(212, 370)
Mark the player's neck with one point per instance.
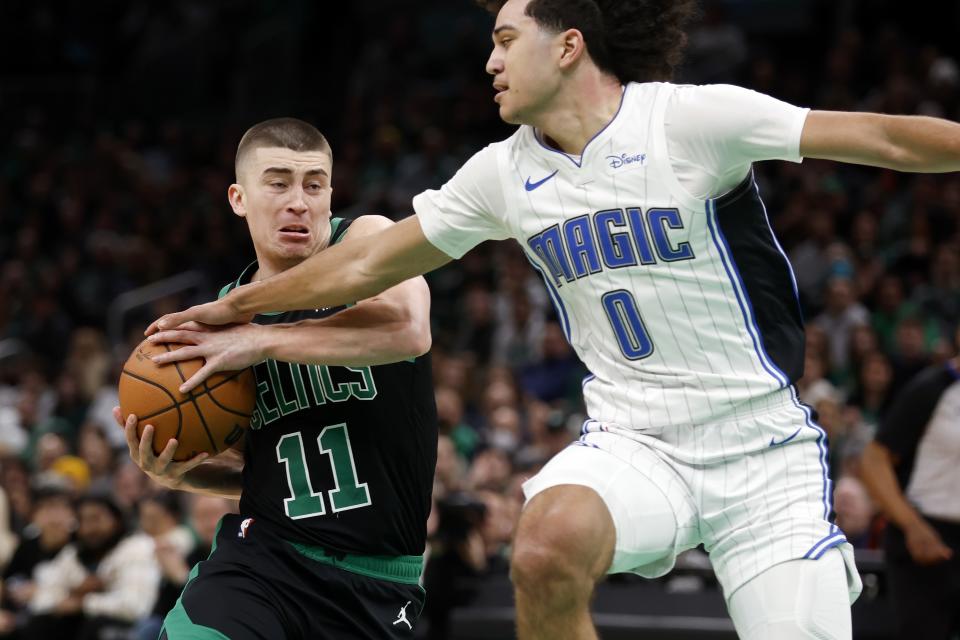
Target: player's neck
point(580, 112)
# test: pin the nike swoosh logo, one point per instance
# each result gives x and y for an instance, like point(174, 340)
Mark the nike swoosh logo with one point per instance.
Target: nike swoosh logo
point(530, 186)
point(774, 443)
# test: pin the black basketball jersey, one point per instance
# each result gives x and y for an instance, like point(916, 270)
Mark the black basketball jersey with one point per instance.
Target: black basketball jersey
point(341, 457)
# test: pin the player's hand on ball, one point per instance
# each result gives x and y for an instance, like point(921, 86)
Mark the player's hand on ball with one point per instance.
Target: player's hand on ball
point(220, 311)
point(223, 348)
point(162, 469)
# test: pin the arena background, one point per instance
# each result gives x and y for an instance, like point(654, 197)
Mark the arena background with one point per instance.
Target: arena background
point(119, 125)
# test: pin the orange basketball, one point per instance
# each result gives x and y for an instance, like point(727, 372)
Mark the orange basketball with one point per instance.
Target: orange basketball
point(211, 418)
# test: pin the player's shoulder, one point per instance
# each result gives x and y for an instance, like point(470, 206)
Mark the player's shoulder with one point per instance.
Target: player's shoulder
point(368, 223)
point(709, 93)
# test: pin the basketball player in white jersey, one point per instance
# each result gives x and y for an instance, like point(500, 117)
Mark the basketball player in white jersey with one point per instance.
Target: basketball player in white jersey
point(634, 199)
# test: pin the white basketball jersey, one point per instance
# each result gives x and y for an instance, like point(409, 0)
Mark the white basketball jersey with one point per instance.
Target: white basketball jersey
point(683, 308)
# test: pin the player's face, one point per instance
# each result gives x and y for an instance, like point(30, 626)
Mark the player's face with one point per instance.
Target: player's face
point(285, 197)
point(522, 63)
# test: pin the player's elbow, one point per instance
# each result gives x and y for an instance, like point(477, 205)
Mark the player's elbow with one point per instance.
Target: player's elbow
point(417, 338)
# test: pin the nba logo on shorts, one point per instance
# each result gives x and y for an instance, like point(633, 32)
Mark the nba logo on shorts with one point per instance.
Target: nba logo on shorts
point(243, 527)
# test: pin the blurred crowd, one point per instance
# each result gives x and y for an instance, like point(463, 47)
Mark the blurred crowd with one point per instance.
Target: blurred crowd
point(94, 208)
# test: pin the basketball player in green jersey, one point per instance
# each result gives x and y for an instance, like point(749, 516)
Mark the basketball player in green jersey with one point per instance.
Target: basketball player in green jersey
point(336, 470)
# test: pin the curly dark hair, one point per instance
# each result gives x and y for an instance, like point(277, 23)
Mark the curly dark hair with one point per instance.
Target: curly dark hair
point(635, 40)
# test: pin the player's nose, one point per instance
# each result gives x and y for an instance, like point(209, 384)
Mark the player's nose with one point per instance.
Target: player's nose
point(494, 63)
point(298, 201)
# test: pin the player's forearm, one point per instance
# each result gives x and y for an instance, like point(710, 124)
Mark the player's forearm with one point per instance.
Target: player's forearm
point(878, 476)
point(375, 332)
point(356, 269)
point(902, 143)
point(923, 144)
point(221, 476)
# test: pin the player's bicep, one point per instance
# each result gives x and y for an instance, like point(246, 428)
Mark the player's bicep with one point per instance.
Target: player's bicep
point(854, 137)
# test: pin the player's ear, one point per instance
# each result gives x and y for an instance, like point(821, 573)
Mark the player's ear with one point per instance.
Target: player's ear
point(237, 198)
point(572, 47)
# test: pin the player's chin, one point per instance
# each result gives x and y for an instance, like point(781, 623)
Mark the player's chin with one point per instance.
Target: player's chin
point(509, 115)
point(294, 250)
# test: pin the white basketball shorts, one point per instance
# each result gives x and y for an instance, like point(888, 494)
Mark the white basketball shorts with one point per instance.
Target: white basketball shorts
point(760, 503)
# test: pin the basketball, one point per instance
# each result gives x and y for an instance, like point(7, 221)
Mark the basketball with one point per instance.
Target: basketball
point(211, 417)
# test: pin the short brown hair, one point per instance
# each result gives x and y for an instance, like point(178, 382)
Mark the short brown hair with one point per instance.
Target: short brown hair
point(286, 133)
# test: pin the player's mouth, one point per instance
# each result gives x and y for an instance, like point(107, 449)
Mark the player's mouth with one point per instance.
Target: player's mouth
point(295, 233)
point(500, 89)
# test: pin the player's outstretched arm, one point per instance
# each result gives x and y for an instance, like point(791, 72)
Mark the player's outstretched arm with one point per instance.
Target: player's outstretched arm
point(220, 477)
point(357, 268)
point(904, 143)
point(389, 327)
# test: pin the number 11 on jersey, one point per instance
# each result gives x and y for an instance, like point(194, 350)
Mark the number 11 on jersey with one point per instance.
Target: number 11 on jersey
point(304, 502)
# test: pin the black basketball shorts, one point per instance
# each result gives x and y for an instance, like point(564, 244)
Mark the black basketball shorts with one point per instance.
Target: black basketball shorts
point(256, 586)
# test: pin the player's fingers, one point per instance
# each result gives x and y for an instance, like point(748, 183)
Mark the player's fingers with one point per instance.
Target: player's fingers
point(174, 320)
point(181, 468)
point(152, 329)
point(178, 355)
point(146, 447)
point(179, 336)
point(133, 441)
point(204, 372)
point(166, 456)
point(118, 417)
point(194, 326)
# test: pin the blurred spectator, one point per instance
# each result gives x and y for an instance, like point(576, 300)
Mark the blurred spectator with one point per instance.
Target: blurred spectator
point(451, 421)
point(841, 315)
point(176, 549)
point(99, 585)
point(559, 373)
point(50, 529)
point(457, 552)
point(95, 450)
point(8, 539)
point(873, 388)
point(855, 511)
point(130, 484)
point(910, 352)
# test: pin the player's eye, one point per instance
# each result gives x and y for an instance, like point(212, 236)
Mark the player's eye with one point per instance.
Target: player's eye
point(277, 185)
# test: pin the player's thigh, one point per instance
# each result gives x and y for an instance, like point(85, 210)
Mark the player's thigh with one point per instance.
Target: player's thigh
point(645, 502)
point(795, 600)
point(770, 505)
point(229, 594)
point(223, 605)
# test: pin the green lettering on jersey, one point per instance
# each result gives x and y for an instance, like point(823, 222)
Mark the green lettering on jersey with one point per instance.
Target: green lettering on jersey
point(286, 406)
point(314, 372)
point(269, 413)
point(337, 393)
point(365, 389)
point(298, 386)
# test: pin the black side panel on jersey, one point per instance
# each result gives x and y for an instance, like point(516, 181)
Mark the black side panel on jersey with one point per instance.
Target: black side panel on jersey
point(766, 275)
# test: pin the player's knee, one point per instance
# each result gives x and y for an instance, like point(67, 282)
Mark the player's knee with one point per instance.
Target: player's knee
point(565, 538)
point(532, 566)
